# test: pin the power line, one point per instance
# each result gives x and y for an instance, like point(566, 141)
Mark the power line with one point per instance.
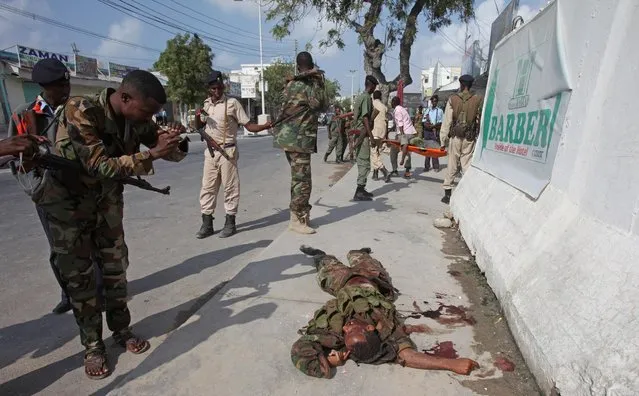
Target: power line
point(63, 25)
point(145, 14)
point(235, 28)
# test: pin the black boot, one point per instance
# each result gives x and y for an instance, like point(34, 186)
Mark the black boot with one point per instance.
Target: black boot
point(229, 227)
point(387, 176)
point(446, 198)
point(362, 195)
point(62, 307)
point(394, 173)
point(375, 175)
point(207, 227)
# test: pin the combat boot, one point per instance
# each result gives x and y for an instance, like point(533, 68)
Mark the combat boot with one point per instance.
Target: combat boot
point(446, 198)
point(362, 195)
point(207, 227)
point(387, 176)
point(229, 227)
point(375, 175)
point(300, 225)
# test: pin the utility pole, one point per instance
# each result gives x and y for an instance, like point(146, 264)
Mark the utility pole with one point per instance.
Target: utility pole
point(75, 49)
point(259, 9)
point(294, 59)
point(352, 88)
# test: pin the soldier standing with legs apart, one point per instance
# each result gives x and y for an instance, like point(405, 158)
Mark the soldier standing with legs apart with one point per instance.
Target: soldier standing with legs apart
point(40, 117)
point(459, 131)
point(304, 99)
point(363, 124)
point(337, 136)
point(103, 134)
point(221, 117)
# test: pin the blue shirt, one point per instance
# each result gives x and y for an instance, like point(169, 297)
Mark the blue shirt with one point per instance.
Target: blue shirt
point(436, 115)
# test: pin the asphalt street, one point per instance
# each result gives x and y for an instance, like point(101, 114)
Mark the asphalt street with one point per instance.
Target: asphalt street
point(171, 273)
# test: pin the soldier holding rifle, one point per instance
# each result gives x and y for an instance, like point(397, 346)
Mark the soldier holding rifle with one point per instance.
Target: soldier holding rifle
point(221, 117)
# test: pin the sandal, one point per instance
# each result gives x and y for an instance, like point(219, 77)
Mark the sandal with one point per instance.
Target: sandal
point(132, 343)
point(95, 365)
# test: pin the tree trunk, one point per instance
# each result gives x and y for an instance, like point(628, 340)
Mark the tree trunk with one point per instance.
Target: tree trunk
point(374, 49)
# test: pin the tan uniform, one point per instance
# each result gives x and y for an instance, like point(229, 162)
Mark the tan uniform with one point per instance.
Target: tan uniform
point(460, 149)
point(222, 123)
point(380, 124)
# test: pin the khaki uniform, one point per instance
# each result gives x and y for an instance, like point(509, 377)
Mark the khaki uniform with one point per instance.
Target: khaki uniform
point(222, 123)
point(380, 124)
point(460, 149)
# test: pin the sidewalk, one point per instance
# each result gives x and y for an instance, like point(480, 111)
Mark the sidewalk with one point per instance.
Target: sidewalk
point(238, 343)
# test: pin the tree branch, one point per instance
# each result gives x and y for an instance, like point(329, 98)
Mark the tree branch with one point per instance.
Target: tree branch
point(406, 43)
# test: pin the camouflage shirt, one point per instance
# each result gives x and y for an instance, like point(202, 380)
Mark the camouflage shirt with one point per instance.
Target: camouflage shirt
point(89, 134)
point(335, 127)
point(372, 303)
point(305, 93)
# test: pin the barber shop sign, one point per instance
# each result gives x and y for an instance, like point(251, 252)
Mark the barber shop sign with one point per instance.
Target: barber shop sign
point(527, 97)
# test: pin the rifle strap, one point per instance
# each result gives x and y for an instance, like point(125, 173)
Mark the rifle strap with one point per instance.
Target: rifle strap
point(226, 121)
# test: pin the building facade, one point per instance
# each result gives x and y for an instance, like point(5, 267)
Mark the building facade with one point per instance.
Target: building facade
point(438, 76)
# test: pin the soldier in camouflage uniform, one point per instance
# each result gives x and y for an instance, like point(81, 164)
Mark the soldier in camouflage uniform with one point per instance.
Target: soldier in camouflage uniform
point(337, 136)
point(361, 322)
point(297, 135)
point(103, 133)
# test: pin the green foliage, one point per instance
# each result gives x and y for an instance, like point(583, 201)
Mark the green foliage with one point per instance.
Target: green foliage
point(186, 62)
point(343, 15)
point(332, 90)
point(345, 104)
point(276, 77)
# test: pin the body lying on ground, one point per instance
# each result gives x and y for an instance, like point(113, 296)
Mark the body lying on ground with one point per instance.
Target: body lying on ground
point(361, 322)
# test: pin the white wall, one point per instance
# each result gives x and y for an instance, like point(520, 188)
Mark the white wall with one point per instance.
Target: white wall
point(566, 267)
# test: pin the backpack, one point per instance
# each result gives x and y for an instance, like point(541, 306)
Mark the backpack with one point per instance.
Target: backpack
point(462, 126)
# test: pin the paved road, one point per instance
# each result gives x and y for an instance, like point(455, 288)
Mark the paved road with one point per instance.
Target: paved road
point(170, 276)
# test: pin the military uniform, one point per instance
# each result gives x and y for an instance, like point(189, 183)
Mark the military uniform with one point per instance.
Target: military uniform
point(85, 211)
point(297, 136)
point(46, 71)
point(459, 133)
point(337, 135)
point(222, 123)
point(371, 303)
point(363, 109)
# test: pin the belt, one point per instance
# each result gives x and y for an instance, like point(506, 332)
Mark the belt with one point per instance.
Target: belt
point(227, 145)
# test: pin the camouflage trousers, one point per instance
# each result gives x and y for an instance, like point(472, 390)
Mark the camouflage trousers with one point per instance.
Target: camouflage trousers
point(337, 143)
point(332, 274)
point(301, 183)
point(92, 231)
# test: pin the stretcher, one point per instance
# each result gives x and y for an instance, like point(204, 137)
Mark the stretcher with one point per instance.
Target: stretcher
point(426, 152)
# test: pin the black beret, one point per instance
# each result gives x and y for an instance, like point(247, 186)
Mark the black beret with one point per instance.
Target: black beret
point(466, 78)
point(49, 70)
point(372, 80)
point(215, 77)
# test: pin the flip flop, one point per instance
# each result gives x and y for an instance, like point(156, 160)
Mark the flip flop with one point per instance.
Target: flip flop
point(96, 361)
point(132, 343)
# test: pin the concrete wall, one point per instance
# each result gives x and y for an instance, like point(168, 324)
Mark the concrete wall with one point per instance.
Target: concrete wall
point(566, 267)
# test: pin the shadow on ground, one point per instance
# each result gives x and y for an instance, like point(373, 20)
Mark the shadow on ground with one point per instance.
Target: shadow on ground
point(26, 339)
point(214, 317)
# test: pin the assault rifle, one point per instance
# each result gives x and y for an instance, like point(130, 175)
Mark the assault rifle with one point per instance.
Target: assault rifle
point(44, 159)
point(210, 143)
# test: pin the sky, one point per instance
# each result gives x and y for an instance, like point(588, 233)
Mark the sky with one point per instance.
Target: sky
point(231, 29)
